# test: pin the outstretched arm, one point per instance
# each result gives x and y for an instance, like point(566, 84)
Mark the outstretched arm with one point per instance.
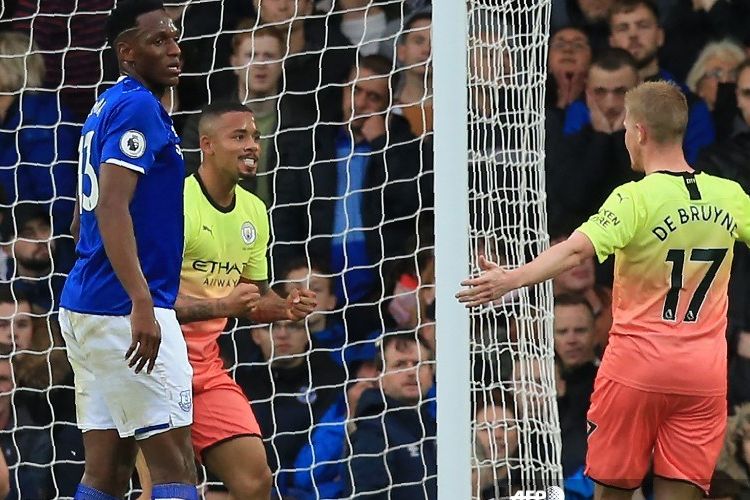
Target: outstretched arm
point(495, 281)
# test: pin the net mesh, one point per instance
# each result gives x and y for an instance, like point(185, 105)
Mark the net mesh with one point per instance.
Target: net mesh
point(516, 428)
point(342, 96)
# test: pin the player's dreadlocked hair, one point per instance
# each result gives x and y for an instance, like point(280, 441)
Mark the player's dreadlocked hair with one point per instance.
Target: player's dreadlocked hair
point(123, 17)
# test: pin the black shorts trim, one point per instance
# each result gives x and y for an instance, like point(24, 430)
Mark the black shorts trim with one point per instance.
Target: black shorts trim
point(602, 483)
point(680, 480)
point(230, 438)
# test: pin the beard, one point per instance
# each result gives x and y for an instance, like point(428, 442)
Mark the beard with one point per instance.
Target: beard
point(35, 264)
point(646, 60)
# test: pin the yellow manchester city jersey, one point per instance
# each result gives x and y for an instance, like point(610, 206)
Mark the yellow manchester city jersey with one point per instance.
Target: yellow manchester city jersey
point(221, 245)
point(672, 235)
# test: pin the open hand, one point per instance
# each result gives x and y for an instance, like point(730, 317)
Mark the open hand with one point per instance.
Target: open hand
point(146, 338)
point(300, 303)
point(491, 284)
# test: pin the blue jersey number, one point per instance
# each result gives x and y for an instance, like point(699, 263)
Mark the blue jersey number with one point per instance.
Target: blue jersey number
point(87, 180)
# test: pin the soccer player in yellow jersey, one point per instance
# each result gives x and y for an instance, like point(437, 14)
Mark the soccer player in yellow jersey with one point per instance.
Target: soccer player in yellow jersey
point(660, 394)
point(224, 274)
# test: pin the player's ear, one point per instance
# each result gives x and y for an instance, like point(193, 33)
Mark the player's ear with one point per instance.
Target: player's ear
point(125, 52)
point(641, 133)
point(206, 145)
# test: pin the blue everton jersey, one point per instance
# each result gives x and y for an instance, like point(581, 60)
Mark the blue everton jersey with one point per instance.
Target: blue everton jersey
point(129, 128)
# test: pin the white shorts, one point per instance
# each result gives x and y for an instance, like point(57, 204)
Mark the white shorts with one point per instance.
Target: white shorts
point(109, 394)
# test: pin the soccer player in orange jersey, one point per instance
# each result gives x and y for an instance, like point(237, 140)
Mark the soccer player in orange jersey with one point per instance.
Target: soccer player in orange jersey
point(660, 393)
point(224, 274)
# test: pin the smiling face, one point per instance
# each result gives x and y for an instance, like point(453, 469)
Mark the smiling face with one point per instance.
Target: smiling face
point(231, 143)
point(150, 51)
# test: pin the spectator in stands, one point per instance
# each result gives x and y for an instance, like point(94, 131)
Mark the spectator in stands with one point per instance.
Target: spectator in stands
point(590, 15)
point(569, 61)
point(308, 68)
point(581, 280)
point(414, 93)
point(496, 447)
point(733, 465)
point(28, 243)
point(575, 350)
point(360, 178)
point(592, 160)
point(70, 36)
point(716, 64)
point(635, 27)
point(38, 143)
point(27, 451)
point(15, 322)
point(393, 447)
point(731, 157)
point(44, 382)
point(689, 26)
point(297, 397)
point(343, 342)
point(256, 80)
point(364, 24)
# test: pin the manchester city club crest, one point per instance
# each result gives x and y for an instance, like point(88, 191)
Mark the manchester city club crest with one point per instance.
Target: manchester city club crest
point(248, 233)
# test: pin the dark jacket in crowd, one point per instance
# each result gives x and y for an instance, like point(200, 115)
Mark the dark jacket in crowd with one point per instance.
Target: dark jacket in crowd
point(394, 455)
point(28, 453)
point(572, 408)
point(39, 140)
point(397, 187)
point(289, 406)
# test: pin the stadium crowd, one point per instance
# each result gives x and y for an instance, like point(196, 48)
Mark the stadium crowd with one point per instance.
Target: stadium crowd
point(342, 95)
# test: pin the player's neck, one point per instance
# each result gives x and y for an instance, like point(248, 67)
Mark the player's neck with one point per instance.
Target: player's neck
point(669, 159)
point(157, 90)
point(219, 187)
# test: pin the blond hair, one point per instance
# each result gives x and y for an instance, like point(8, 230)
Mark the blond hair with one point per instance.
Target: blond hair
point(661, 107)
point(724, 49)
point(21, 65)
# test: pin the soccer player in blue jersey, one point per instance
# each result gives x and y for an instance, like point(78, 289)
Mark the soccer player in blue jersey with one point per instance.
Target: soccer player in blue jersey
point(132, 375)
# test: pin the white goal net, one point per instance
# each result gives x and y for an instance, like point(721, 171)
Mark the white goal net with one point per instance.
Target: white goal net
point(517, 443)
point(342, 94)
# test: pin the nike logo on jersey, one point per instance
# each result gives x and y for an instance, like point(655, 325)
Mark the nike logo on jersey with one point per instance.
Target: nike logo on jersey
point(206, 228)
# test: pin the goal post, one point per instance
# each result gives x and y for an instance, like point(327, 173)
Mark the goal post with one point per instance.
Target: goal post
point(449, 58)
point(490, 200)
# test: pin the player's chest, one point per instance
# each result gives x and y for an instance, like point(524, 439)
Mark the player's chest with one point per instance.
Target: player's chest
point(222, 246)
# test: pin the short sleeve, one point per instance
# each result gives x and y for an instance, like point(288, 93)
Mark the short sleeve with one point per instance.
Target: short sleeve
point(256, 267)
point(743, 216)
point(134, 133)
point(615, 224)
point(192, 227)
